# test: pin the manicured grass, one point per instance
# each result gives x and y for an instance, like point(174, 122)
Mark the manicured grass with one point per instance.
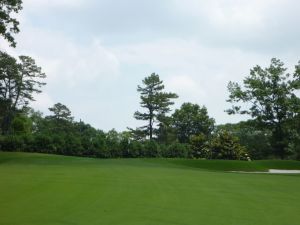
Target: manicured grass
point(229, 165)
point(46, 189)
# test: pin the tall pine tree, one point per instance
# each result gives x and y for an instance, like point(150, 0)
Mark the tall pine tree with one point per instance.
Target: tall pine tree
point(20, 80)
point(155, 101)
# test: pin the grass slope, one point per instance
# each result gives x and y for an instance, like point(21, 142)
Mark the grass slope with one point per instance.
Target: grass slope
point(49, 190)
point(230, 165)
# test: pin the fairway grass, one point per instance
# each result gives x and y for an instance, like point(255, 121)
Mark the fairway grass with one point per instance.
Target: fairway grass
point(39, 189)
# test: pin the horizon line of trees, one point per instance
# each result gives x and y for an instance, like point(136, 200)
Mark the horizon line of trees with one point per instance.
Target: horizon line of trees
point(58, 133)
point(188, 132)
point(270, 96)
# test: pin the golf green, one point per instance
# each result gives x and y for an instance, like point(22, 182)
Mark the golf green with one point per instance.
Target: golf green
point(42, 189)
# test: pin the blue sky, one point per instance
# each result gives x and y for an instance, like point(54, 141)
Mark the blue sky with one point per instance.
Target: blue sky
point(96, 52)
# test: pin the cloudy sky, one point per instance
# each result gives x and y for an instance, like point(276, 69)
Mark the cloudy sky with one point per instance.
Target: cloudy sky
point(96, 52)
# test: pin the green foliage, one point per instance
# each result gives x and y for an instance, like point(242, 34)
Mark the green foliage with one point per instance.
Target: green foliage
point(155, 101)
point(138, 134)
point(135, 149)
point(11, 143)
point(191, 119)
point(199, 146)
point(21, 124)
point(60, 112)
point(255, 138)
point(177, 150)
point(72, 145)
point(113, 141)
point(150, 149)
point(44, 143)
point(8, 24)
point(165, 133)
point(19, 81)
point(189, 132)
point(124, 144)
point(271, 94)
point(226, 146)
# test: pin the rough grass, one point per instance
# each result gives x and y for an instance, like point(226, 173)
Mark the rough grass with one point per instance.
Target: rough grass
point(47, 189)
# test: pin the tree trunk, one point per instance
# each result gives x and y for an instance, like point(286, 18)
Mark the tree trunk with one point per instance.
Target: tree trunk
point(150, 129)
point(279, 144)
point(151, 125)
point(6, 123)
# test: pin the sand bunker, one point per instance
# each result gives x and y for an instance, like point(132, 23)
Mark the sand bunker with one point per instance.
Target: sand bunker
point(273, 171)
point(284, 171)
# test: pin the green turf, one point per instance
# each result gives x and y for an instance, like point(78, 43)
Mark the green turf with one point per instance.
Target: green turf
point(229, 165)
point(40, 189)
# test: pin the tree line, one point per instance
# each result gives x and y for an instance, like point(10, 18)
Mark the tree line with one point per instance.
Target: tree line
point(58, 133)
point(267, 95)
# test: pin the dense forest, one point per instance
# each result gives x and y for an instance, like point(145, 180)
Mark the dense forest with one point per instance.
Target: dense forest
point(267, 95)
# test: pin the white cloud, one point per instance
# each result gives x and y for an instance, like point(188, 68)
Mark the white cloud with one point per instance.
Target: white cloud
point(196, 47)
point(45, 4)
point(42, 102)
point(69, 65)
point(196, 72)
point(260, 26)
point(185, 86)
point(64, 60)
point(182, 82)
point(229, 13)
point(85, 64)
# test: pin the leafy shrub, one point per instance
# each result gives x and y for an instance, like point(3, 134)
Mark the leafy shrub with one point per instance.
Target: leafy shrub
point(177, 150)
point(12, 143)
point(135, 149)
point(150, 149)
point(44, 143)
point(199, 146)
point(226, 146)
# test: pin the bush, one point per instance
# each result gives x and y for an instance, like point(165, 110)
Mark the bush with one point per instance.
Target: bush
point(199, 146)
point(177, 150)
point(43, 143)
point(72, 146)
point(12, 143)
point(28, 141)
point(226, 146)
point(256, 139)
point(135, 149)
point(151, 149)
